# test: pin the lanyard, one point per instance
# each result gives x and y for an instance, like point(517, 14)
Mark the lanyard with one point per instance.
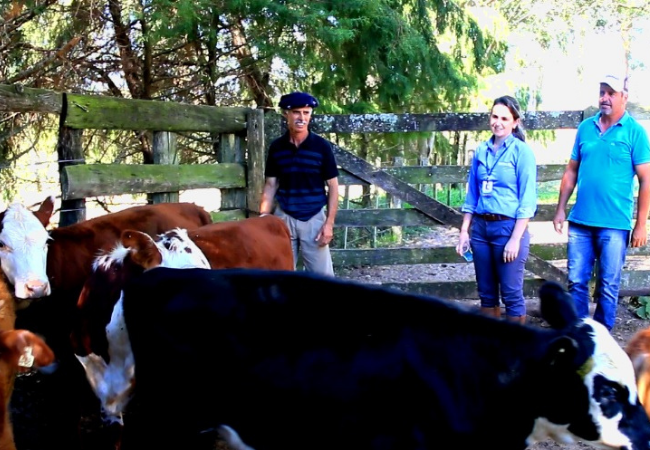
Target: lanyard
point(487, 167)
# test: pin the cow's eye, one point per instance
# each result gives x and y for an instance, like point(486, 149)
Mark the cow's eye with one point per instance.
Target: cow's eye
point(2, 245)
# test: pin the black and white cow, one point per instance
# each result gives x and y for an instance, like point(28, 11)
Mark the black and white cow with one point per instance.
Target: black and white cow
point(293, 360)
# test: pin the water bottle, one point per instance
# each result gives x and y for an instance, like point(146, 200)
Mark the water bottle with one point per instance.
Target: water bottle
point(469, 257)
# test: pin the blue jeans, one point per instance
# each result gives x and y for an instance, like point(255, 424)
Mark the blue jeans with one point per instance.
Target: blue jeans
point(606, 247)
point(493, 276)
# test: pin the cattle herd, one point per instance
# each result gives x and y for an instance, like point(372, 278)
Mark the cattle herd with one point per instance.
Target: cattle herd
point(181, 333)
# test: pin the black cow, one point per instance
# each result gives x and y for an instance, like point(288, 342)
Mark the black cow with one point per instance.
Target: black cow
point(292, 360)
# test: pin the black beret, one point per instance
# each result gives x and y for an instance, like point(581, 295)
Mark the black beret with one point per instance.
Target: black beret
point(297, 100)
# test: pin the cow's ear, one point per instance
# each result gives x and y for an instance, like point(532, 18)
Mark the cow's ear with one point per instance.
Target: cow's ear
point(557, 306)
point(142, 248)
point(562, 352)
point(45, 211)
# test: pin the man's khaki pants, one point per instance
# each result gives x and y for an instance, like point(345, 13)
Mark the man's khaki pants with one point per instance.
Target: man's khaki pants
point(303, 242)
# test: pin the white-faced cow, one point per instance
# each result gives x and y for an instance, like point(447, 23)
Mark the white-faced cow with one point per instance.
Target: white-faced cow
point(100, 340)
point(53, 266)
point(37, 262)
point(293, 360)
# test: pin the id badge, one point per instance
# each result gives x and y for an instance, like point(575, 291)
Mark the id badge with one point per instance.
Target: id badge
point(486, 187)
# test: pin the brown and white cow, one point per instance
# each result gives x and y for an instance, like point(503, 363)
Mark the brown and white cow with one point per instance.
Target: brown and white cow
point(100, 341)
point(20, 351)
point(37, 262)
point(53, 266)
point(638, 349)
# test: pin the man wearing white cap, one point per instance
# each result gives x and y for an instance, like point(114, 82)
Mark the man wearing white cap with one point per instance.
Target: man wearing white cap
point(610, 148)
point(298, 167)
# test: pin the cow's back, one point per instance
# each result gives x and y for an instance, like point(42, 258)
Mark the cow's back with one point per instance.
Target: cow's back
point(74, 247)
point(320, 348)
point(256, 242)
point(308, 361)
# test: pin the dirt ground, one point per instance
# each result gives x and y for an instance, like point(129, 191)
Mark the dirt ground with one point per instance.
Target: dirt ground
point(28, 420)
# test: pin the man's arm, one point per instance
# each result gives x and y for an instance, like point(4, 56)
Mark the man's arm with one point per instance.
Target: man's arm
point(640, 232)
point(268, 194)
point(567, 186)
point(326, 233)
point(332, 199)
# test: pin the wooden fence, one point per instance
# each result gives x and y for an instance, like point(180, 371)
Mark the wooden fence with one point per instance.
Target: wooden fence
point(244, 137)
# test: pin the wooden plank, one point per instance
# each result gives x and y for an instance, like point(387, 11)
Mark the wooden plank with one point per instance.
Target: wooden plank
point(346, 178)
point(362, 169)
point(384, 217)
point(70, 153)
point(451, 121)
point(256, 145)
point(111, 113)
point(458, 174)
point(546, 212)
point(545, 270)
point(445, 174)
point(232, 150)
point(393, 256)
point(165, 152)
point(227, 216)
point(456, 290)
point(633, 283)
point(428, 255)
point(18, 98)
point(390, 217)
point(84, 181)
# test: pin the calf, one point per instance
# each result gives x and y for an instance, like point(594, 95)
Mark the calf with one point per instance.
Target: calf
point(20, 351)
point(99, 339)
point(37, 262)
point(53, 267)
point(294, 360)
point(257, 242)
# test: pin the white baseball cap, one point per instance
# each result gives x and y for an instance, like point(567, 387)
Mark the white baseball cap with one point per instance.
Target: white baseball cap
point(616, 82)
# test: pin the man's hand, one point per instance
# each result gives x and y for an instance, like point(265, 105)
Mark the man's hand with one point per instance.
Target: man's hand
point(558, 221)
point(639, 236)
point(325, 235)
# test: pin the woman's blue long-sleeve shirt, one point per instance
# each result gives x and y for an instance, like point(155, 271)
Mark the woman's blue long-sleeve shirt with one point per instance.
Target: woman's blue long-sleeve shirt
point(511, 172)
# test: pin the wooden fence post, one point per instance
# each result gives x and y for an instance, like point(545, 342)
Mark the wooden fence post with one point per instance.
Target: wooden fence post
point(259, 133)
point(165, 152)
point(346, 205)
point(396, 202)
point(70, 152)
point(231, 150)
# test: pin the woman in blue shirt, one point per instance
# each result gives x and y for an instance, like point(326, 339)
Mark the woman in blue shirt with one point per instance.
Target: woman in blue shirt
point(501, 199)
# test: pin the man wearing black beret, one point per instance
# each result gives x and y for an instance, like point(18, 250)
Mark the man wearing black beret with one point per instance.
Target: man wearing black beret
point(299, 166)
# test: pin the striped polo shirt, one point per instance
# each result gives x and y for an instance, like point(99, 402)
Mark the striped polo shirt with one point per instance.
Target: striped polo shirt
point(301, 172)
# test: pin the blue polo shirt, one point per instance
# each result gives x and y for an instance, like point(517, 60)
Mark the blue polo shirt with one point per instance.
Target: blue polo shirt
point(512, 171)
point(605, 188)
point(301, 172)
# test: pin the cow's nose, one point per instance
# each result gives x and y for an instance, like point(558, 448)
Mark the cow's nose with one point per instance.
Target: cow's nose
point(36, 289)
